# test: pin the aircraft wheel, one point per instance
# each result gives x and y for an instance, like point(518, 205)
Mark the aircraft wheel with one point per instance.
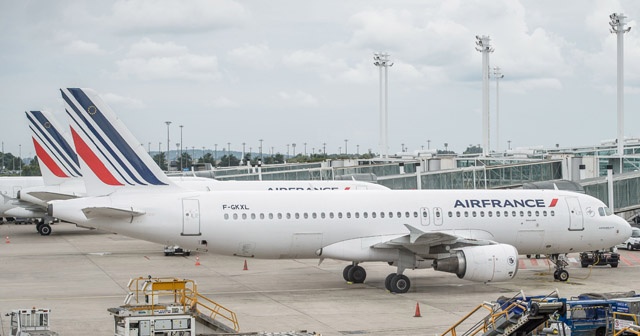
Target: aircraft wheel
point(563, 275)
point(387, 281)
point(345, 273)
point(45, 229)
point(400, 284)
point(357, 274)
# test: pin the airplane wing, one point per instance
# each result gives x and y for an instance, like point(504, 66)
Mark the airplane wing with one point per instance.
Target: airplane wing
point(97, 212)
point(420, 239)
point(47, 196)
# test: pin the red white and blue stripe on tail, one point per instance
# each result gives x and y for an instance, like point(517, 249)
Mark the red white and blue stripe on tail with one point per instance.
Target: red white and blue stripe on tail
point(57, 158)
point(105, 145)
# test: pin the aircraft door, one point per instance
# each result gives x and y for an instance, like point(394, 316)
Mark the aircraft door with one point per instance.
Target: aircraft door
point(424, 216)
point(576, 220)
point(437, 216)
point(190, 217)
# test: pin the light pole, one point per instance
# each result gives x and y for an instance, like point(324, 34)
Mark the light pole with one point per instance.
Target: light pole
point(497, 74)
point(428, 144)
point(381, 60)
point(261, 159)
point(229, 153)
point(509, 144)
point(446, 147)
point(178, 145)
point(168, 143)
point(357, 150)
point(346, 152)
point(159, 153)
point(215, 154)
point(324, 148)
point(617, 27)
point(181, 126)
point(287, 150)
point(305, 149)
point(293, 145)
point(20, 157)
point(242, 159)
point(483, 45)
point(149, 148)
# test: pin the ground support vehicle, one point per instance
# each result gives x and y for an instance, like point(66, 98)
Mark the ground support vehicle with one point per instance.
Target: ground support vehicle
point(633, 243)
point(175, 250)
point(599, 258)
point(31, 322)
point(626, 316)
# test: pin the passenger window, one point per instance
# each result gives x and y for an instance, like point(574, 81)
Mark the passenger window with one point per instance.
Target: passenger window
point(339, 214)
point(544, 213)
point(506, 213)
point(528, 213)
point(270, 215)
point(425, 214)
point(537, 213)
point(261, 216)
point(306, 215)
point(450, 214)
point(390, 214)
point(497, 213)
point(481, 213)
point(466, 213)
point(399, 214)
point(365, 214)
point(457, 213)
point(297, 215)
point(314, 215)
point(513, 214)
point(490, 213)
point(226, 216)
point(407, 214)
point(553, 213)
point(279, 215)
point(322, 215)
point(415, 214)
point(381, 214)
point(235, 216)
point(348, 215)
point(288, 215)
point(473, 213)
point(331, 215)
point(373, 214)
point(357, 214)
point(244, 216)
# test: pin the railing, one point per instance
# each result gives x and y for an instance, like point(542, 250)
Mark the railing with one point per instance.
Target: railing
point(217, 310)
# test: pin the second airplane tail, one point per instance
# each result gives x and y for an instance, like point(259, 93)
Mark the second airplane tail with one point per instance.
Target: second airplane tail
point(111, 157)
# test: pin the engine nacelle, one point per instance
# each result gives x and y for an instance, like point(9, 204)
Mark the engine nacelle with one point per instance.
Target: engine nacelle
point(481, 263)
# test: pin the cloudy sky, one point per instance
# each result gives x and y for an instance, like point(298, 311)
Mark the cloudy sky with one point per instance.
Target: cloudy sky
point(290, 71)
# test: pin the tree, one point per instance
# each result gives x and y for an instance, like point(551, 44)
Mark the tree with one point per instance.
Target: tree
point(472, 149)
point(207, 158)
point(32, 169)
point(229, 161)
point(185, 161)
point(161, 160)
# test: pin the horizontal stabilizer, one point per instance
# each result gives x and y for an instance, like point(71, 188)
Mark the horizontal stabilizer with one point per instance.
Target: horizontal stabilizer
point(101, 212)
point(47, 196)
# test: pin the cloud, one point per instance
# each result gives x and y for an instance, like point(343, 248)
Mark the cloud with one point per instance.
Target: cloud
point(223, 102)
point(82, 47)
point(175, 16)
point(117, 100)
point(253, 56)
point(149, 60)
point(298, 98)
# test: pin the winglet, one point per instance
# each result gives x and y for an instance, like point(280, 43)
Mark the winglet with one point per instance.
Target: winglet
point(110, 156)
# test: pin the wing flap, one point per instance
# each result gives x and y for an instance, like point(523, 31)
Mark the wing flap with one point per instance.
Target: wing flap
point(47, 196)
point(101, 212)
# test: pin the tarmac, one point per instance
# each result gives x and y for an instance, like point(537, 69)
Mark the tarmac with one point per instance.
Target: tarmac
point(80, 273)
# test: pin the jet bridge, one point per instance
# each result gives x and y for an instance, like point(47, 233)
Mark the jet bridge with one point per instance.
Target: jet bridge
point(514, 316)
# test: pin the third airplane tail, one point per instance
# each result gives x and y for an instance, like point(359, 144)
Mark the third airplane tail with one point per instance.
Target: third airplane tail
point(111, 157)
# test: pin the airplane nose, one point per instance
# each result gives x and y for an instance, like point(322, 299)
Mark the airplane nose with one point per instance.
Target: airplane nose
point(624, 228)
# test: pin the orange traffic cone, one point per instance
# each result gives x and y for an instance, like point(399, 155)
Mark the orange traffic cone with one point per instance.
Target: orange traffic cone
point(245, 268)
point(197, 261)
point(7, 240)
point(417, 310)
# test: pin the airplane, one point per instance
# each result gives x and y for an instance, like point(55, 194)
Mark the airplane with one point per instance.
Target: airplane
point(475, 234)
point(62, 175)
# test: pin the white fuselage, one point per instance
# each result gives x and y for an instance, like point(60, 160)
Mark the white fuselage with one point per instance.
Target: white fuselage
point(298, 224)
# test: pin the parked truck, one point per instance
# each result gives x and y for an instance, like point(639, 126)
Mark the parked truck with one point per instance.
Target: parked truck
point(31, 322)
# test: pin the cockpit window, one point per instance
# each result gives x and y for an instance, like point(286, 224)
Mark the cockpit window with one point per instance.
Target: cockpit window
point(601, 211)
point(605, 211)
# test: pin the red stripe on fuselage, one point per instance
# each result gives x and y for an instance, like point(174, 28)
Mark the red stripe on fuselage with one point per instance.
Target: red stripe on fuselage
point(47, 160)
point(97, 167)
point(553, 202)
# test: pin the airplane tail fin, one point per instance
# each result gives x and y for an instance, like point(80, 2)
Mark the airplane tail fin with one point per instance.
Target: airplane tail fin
point(57, 159)
point(111, 157)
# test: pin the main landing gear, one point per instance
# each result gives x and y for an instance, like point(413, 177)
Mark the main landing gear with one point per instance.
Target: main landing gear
point(395, 282)
point(560, 273)
point(43, 227)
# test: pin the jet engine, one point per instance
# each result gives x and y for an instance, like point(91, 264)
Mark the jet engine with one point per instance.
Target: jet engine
point(481, 263)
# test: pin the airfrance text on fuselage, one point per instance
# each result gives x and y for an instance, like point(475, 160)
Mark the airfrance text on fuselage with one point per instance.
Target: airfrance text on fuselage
point(496, 203)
